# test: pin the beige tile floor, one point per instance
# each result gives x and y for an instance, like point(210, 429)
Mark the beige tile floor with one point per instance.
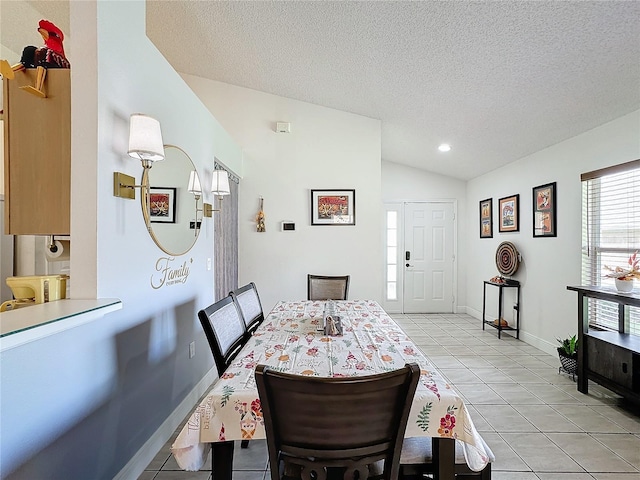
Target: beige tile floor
point(535, 421)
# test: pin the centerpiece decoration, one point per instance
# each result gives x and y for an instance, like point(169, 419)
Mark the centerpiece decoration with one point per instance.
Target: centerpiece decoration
point(624, 276)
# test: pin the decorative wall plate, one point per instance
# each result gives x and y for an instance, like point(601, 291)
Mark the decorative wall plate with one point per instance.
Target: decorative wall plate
point(507, 259)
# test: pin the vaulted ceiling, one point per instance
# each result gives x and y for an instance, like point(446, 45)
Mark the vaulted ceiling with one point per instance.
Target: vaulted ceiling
point(496, 80)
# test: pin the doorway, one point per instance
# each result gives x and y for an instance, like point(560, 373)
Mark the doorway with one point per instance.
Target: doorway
point(420, 257)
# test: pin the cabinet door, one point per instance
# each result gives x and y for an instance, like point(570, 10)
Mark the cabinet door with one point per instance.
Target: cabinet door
point(37, 155)
point(610, 361)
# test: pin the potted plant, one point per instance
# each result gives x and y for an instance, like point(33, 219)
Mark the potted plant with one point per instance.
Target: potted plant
point(568, 353)
point(624, 276)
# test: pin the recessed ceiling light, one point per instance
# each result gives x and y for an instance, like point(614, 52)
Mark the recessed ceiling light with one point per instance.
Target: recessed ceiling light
point(445, 147)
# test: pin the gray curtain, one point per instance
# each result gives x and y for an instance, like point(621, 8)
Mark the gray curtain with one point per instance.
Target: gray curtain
point(226, 242)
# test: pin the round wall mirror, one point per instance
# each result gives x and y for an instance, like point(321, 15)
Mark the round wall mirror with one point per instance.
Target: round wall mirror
point(173, 209)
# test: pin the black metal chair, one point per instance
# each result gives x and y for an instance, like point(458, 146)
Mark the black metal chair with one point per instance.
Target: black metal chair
point(225, 330)
point(325, 428)
point(322, 287)
point(416, 461)
point(248, 302)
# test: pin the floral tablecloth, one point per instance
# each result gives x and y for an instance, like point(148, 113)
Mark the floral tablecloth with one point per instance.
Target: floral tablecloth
point(290, 340)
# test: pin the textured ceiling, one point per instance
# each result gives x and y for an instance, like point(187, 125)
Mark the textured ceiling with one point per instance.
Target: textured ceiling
point(497, 80)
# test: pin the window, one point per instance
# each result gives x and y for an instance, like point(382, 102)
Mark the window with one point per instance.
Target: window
point(610, 234)
point(392, 256)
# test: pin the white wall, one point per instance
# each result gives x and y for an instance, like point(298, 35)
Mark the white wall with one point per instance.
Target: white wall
point(548, 310)
point(325, 149)
point(82, 403)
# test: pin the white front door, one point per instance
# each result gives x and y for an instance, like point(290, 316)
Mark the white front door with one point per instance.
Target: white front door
point(428, 257)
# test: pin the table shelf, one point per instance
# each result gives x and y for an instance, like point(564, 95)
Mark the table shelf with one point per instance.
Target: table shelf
point(501, 286)
point(497, 327)
point(610, 358)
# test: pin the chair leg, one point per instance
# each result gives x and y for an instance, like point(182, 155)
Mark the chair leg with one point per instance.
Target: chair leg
point(244, 444)
point(443, 458)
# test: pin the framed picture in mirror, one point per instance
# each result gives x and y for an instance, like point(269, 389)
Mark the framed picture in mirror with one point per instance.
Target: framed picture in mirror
point(162, 203)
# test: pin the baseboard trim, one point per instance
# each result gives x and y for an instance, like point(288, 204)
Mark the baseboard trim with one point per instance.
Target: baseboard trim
point(539, 343)
point(142, 458)
point(473, 312)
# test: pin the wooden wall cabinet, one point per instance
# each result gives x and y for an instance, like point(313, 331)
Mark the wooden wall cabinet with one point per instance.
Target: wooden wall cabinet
point(37, 155)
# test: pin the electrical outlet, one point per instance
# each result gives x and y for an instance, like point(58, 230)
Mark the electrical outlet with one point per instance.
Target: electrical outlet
point(208, 264)
point(192, 349)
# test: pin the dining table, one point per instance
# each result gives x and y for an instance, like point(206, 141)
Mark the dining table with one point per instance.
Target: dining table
point(291, 339)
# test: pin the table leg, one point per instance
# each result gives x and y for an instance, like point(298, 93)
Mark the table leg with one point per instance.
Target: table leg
point(484, 300)
point(222, 460)
point(444, 458)
point(583, 328)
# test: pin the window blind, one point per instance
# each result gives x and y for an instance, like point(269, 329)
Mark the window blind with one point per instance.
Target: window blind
point(610, 234)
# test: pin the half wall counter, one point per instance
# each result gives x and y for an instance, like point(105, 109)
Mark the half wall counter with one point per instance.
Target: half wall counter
point(28, 324)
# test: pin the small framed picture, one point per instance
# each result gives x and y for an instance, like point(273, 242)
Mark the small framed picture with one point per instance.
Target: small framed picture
point(333, 207)
point(544, 210)
point(509, 214)
point(486, 218)
point(162, 204)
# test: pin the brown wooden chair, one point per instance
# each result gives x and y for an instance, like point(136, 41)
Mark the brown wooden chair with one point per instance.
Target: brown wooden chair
point(249, 304)
point(225, 330)
point(324, 428)
point(416, 461)
point(322, 287)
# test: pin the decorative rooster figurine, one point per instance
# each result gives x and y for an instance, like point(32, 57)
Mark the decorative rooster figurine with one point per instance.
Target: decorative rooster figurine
point(50, 56)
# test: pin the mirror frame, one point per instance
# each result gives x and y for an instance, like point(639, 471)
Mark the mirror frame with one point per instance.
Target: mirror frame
point(146, 208)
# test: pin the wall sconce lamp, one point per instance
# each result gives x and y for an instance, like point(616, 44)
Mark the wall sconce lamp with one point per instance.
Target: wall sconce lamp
point(145, 144)
point(219, 187)
point(194, 185)
point(195, 188)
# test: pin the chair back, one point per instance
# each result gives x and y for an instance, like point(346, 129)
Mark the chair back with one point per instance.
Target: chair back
point(337, 425)
point(250, 307)
point(321, 287)
point(225, 330)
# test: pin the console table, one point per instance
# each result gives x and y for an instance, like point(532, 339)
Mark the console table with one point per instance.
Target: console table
point(610, 358)
point(501, 286)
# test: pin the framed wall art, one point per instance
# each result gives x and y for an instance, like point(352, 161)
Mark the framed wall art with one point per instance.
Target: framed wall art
point(333, 207)
point(544, 210)
point(509, 210)
point(486, 218)
point(162, 204)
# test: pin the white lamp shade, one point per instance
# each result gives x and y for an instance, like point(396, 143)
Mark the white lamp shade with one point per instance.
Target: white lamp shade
point(194, 183)
point(220, 183)
point(145, 138)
